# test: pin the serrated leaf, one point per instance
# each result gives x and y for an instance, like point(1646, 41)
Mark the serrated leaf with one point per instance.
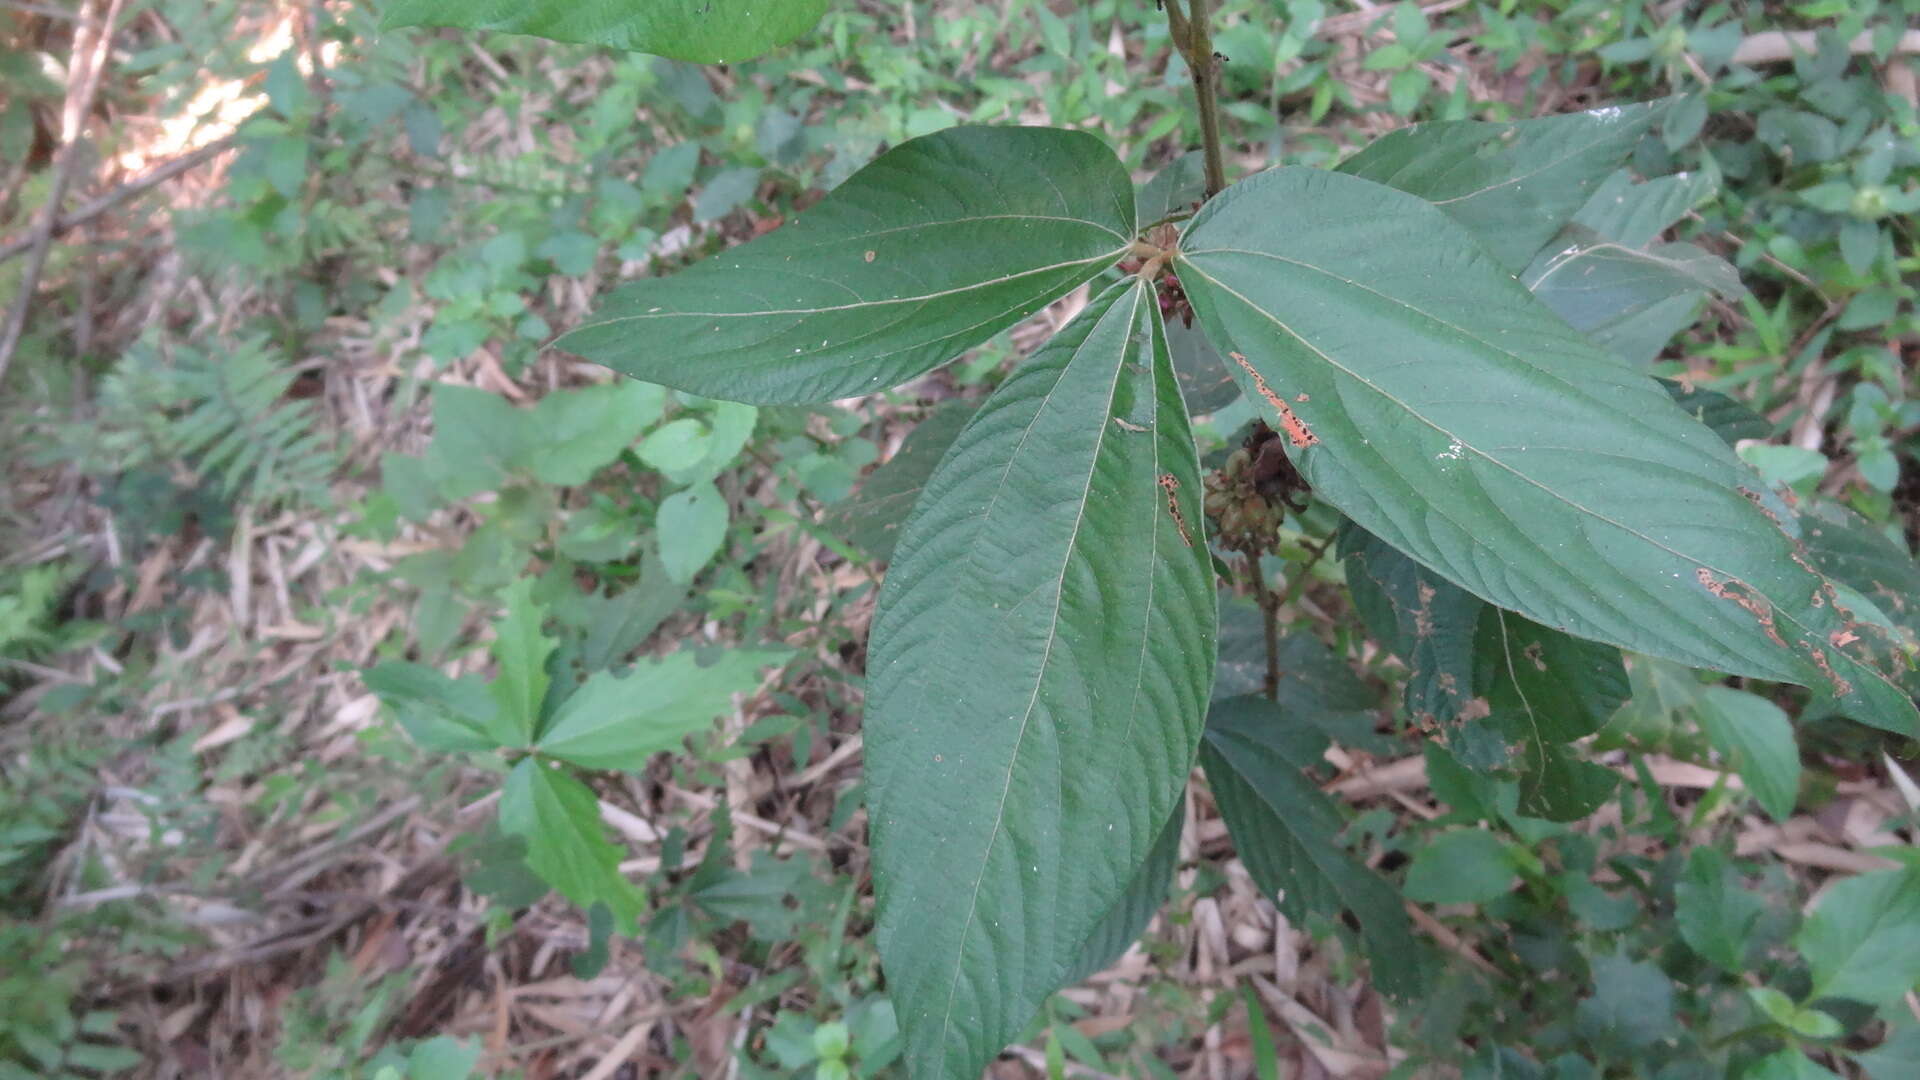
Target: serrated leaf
point(559, 819)
point(1038, 674)
point(1284, 829)
point(702, 31)
point(1714, 911)
point(1435, 402)
point(871, 517)
point(691, 525)
point(1756, 738)
point(936, 246)
point(520, 648)
point(1136, 907)
point(619, 721)
point(439, 713)
point(1512, 185)
point(1464, 866)
point(581, 430)
point(1632, 1002)
point(1862, 937)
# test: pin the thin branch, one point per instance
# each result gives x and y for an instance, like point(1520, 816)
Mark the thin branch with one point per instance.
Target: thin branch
point(81, 91)
point(124, 193)
point(1205, 67)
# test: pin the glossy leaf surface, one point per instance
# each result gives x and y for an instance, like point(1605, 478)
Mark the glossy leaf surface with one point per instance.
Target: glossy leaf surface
point(1434, 401)
point(1038, 676)
point(703, 31)
point(932, 248)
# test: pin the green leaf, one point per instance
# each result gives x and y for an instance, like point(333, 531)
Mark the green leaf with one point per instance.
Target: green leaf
point(1862, 937)
point(1130, 914)
point(676, 446)
point(559, 819)
point(691, 524)
point(619, 721)
point(439, 713)
point(1512, 185)
point(702, 31)
point(936, 246)
point(1424, 619)
point(730, 426)
point(1632, 1002)
point(1173, 190)
point(1756, 738)
point(477, 438)
point(1630, 301)
point(1787, 1065)
point(1436, 403)
point(581, 430)
point(520, 648)
point(1544, 685)
point(1038, 674)
point(1731, 420)
point(1464, 866)
point(870, 519)
point(1206, 382)
point(1635, 214)
point(1285, 828)
point(1714, 911)
point(442, 1057)
point(1849, 549)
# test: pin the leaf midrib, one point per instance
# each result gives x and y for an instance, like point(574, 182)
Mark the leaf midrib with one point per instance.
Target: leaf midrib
point(1778, 610)
point(859, 306)
point(973, 902)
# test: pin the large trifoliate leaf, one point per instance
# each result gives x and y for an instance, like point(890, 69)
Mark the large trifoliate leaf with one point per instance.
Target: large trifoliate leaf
point(936, 246)
point(703, 31)
point(1512, 185)
point(1284, 829)
point(1428, 396)
point(1038, 677)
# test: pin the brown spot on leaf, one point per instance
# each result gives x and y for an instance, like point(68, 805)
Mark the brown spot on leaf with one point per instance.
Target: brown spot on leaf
point(1536, 653)
point(1743, 595)
point(1840, 639)
point(1297, 430)
point(1841, 687)
point(1171, 485)
point(1423, 615)
point(1475, 709)
point(872, 255)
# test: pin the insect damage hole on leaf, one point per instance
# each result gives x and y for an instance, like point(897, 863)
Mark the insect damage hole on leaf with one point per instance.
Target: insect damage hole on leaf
point(1298, 433)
